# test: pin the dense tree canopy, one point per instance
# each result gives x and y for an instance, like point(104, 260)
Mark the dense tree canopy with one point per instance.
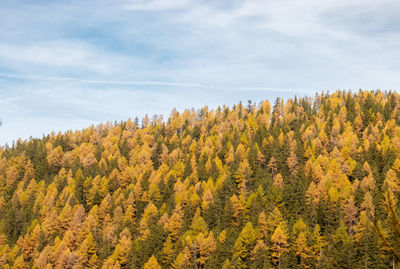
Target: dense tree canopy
point(306, 183)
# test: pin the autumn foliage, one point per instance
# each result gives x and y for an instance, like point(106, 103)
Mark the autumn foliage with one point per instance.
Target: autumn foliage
point(306, 183)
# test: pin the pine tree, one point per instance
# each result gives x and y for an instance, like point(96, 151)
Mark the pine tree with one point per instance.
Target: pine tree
point(244, 245)
point(259, 256)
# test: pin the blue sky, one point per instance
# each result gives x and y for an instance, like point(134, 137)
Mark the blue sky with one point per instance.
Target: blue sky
point(69, 64)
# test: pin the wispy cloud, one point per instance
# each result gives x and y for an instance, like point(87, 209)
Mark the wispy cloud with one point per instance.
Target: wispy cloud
point(155, 5)
point(145, 83)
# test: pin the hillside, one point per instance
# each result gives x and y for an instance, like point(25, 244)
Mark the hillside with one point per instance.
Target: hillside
point(306, 183)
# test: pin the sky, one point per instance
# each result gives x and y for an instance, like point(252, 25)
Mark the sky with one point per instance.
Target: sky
point(73, 63)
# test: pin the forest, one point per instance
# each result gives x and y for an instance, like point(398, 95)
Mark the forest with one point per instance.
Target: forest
point(307, 182)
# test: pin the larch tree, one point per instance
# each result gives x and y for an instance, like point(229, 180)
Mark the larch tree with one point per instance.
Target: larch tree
point(279, 240)
point(152, 263)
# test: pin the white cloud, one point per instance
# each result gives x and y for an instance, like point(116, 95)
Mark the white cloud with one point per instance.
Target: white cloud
point(155, 5)
point(65, 55)
point(291, 17)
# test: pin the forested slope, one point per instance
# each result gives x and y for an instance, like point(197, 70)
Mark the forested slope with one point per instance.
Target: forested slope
point(310, 182)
